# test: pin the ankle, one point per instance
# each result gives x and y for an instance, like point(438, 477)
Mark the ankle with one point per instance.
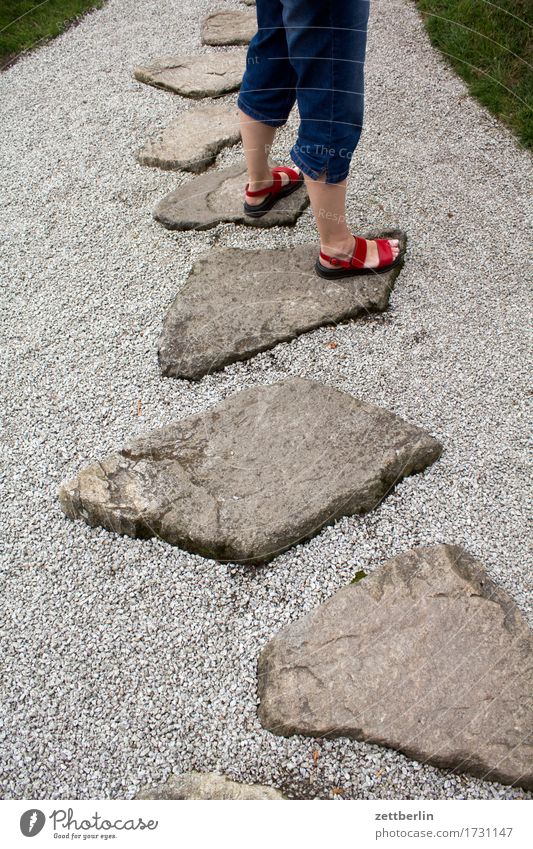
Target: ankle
point(338, 245)
point(260, 181)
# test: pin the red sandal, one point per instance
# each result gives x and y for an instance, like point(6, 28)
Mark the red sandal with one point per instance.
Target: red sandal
point(274, 192)
point(355, 266)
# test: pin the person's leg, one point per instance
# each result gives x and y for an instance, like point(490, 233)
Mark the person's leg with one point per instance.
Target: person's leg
point(267, 95)
point(327, 45)
point(257, 141)
point(328, 202)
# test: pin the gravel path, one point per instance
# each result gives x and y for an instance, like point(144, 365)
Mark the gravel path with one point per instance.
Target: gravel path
point(126, 660)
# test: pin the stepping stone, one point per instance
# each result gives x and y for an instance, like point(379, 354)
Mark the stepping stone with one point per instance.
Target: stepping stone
point(217, 197)
point(260, 472)
point(237, 303)
point(425, 655)
point(204, 75)
point(221, 28)
point(209, 785)
point(193, 140)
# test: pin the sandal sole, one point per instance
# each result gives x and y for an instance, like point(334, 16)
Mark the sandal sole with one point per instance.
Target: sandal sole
point(254, 212)
point(334, 274)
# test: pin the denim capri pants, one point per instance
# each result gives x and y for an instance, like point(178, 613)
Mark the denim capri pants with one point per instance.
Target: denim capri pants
point(312, 52)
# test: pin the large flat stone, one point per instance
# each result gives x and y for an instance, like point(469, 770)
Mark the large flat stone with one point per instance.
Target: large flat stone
point(217, 197)
point(237, 303)
point(209, 785)
point(192, 141)
point(229, 27)
point(425, 655)
point(204, 75)
point(263, 470)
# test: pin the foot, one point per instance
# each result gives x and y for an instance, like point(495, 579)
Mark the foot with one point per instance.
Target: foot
point(344, 250)
point(255, 186)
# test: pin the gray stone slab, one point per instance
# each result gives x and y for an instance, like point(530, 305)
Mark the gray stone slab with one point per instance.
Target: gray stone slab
point(192, 141)
point(203, 75)
point(231, 27)
point(425, 655)
point(237, 303)
point(265, 469)
point(209, 785)
point(218, 197)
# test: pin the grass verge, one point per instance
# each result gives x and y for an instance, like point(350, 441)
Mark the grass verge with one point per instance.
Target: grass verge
point(26, 23)
point(490, 44)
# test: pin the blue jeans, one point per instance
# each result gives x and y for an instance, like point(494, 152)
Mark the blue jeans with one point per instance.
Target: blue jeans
point(312, 52)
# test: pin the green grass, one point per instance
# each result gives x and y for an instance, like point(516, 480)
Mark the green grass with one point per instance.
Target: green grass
point(26, 23)
point(490, 45)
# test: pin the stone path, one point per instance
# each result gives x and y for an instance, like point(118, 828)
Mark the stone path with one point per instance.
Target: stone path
point(425, 655)
point(217, 197)
point(192, 141)
point(196, 785)
point(221, 28)
point(264, 470)
point(148, 629)
point(270, 467)
point(208, 75)
point(237, 303)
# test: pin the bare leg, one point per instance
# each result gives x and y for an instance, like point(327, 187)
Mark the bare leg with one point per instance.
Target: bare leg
point(328, 202)
point(257, 139)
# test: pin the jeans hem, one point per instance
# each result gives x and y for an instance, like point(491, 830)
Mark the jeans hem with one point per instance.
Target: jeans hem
point(271, 122)
point(337, 178)
point(314, 174)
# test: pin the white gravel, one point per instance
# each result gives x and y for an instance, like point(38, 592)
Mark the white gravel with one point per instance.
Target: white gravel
point(126, 660)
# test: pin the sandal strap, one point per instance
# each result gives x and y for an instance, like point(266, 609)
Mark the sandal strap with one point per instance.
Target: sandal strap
point(358, 256)
point(359, 253)
point(384, 252)
point(277, 185)
point(269, 190)
point(291, 173)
